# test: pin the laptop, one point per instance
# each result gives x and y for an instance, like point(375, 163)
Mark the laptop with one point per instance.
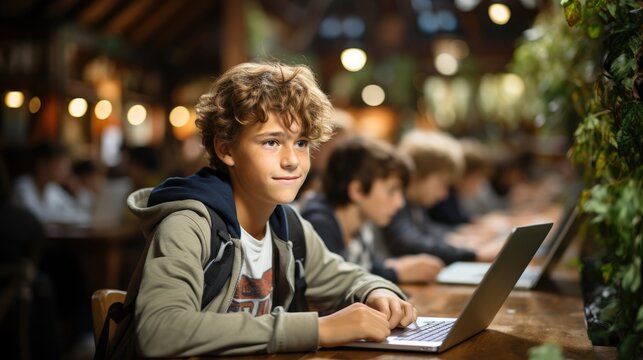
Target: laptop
point(433, 334)
point(471, 273)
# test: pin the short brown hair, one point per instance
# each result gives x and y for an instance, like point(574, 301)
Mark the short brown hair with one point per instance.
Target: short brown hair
point(365, 160)
point(433, 152)
point(249, 92)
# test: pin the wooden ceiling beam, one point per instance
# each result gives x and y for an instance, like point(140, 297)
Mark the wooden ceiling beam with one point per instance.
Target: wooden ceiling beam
point(95, 12)
point(156, 21)
point(183, 24)
point(120, 23)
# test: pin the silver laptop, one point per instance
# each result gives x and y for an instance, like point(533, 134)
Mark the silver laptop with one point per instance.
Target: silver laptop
point(433, 334)
point(471, 273)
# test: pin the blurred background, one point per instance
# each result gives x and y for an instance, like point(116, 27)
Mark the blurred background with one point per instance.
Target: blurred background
point(114, 84)
point(98, 75)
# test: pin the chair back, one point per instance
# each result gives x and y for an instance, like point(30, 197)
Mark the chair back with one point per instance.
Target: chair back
point(102, 299)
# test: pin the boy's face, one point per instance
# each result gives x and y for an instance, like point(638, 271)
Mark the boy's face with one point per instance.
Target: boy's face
point(268, 163)
point(431, 189)
point(470, 184)
point(383, 201)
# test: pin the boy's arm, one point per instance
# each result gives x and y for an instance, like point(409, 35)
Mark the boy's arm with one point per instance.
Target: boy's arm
point(169, 322)
point(404, 238)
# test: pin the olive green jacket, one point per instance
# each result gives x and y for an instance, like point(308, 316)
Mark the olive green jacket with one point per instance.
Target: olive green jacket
point(168, 283)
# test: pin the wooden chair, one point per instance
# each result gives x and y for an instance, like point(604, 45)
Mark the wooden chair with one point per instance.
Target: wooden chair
point(102, 299)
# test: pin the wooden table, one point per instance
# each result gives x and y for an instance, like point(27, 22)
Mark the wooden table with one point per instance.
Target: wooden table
point(527, 319)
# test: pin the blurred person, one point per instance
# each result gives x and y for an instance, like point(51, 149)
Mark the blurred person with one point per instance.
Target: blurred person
point(470, 196)
point(29, 319)
point(86, 183)
point(438, 163)
point(43, 190)
point(476, 195)
point(343, 125)
point(142, 166)
point(364, 182)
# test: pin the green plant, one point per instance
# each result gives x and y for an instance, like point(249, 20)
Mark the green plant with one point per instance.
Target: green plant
point(584, 62)
point(608, 143)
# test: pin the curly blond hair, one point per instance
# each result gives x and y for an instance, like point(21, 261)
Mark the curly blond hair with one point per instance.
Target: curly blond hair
point(249, 92)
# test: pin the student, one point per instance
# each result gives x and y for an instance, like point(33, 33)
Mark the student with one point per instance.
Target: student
point(438, 161)
point(85, 183)
point(30, 322)
point(257, 123)
point(474, 189)
point(364, 182)
point(464, 201)
point(43, 190)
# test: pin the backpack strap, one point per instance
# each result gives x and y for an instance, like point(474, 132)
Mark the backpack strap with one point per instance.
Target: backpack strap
point(116, 312)
point(296, 235)
point(219, 266)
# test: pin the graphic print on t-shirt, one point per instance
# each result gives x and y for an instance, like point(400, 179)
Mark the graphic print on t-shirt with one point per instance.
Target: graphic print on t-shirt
point(253, 295)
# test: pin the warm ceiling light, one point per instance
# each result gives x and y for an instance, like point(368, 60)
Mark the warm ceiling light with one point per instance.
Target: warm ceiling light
point(77, 107)
point(103, 109)
point(499, 13)
point(446, 64)
point(373, 95)
point(14, 99)
point(353, 59)
point(34, 104)
point(179, 116)
point(513, 85)
point(136, 114)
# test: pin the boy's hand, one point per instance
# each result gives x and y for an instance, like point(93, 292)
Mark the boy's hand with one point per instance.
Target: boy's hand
point(398, 312)
point(415, 268)
point(354, 322)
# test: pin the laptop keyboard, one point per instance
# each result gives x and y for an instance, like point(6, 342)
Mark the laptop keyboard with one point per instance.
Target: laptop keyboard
point(430, 331)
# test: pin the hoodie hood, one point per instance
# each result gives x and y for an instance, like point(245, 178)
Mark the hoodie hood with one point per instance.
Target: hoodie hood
point(214, 190)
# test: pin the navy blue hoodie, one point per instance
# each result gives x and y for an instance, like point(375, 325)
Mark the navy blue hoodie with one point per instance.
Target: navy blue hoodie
point(212, 188)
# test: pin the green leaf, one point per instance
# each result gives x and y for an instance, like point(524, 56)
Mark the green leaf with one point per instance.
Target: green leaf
point(639, 320)
point(595, 4)
point(632, 277)
point(612, 7)
point(572, 12)
point(546, 351)
point(594, 31)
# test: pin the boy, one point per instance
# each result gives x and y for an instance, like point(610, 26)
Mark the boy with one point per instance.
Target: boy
point(476, 171)
point(257, 123)
point(364, 182)
point(438, 162)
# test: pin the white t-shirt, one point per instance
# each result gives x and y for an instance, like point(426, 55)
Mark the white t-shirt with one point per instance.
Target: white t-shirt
point(53, 205)
point(254, 290)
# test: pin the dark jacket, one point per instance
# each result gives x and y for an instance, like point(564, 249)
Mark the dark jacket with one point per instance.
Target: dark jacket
point(321, 215)
point(413, 232)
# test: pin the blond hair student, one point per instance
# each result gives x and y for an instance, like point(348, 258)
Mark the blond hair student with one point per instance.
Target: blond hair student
point(438, 164)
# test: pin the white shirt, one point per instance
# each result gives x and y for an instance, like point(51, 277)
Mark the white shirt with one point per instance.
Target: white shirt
point(254, 290)
point(53, 205)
